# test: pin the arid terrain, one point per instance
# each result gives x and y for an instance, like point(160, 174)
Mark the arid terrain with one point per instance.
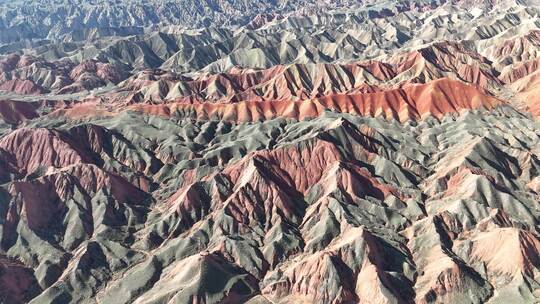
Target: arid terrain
point(267, 152)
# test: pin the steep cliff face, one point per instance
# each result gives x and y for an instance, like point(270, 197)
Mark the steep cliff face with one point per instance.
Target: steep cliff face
point(287, 152)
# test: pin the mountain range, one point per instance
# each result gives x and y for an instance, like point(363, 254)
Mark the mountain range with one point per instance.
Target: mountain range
point(270, 151)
